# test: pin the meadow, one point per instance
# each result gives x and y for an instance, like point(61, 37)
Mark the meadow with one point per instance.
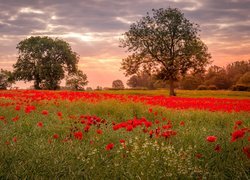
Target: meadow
point(124, 135)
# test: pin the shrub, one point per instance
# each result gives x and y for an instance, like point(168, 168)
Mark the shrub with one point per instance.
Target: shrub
point(212, 87)
point(241, 87)
point(202, 87)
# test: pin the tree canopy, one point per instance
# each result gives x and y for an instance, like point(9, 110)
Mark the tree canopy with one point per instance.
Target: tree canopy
point(77, 81)
point(44, 60)
point(166, 44)
point(6, 79)
point(117, 84)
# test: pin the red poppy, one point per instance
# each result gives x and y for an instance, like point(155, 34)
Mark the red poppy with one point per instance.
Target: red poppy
point(237, 134)
point(198, 155)
point(150, 110)
point(45, 112)
point(78, 135)
point(182, 123)
point(14, 139)
point(99, 131)
point(129, 128)
point(59, 114)
point(217, 148)
point(110, 146)
point(246, 151)
point(15, 119)
point(39, 124)
point(122, 141)
point(211, 138)
point(17, 108)
point(55, 136)
point(238, 122)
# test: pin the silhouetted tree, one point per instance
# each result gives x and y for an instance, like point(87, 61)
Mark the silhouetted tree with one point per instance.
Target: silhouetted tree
point(44, 60)
point(6, 79)
point(166, 42)
point(117, 84)
point(77, 81)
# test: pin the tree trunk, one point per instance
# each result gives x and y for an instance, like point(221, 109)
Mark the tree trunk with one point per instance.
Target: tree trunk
point(37, 84)
point(171, 88)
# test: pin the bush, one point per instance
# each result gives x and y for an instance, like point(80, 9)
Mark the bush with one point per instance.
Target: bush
point(202, 87)
point(241, 87)
point(212, 87)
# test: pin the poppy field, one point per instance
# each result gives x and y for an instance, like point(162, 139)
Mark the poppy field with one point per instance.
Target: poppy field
point(90, 135)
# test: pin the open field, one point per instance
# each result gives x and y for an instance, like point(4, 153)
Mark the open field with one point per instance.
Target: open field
point(47, 134)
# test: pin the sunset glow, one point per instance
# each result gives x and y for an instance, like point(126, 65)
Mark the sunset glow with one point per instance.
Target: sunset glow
point(93, 29)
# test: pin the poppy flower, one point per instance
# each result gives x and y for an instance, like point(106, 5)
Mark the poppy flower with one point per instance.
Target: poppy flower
point(39, 124)
point(59, 114)
point(14, 139)
point(55, 136)
point(182, 123)
point(129, 128)
point(122, 141)
point(109, 146)
point(78, 135)
point(198, 155)
point(217, 148)
point(237, 134)
point(211, 138)
point(45, 112)
point(17, 108)
point(246, 150)
point(238, 122)
point(15, 119)
point(99, 131)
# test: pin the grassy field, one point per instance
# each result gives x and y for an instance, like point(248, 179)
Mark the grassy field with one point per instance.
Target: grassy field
point(185, 93)
point(44, 136)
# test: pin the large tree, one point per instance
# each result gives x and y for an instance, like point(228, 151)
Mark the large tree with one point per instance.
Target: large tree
point(166, 43)
point(44, 60)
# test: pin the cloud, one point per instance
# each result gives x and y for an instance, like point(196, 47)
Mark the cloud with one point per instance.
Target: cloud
point(93, 28)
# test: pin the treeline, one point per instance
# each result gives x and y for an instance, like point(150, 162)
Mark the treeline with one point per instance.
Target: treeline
point(235, 76)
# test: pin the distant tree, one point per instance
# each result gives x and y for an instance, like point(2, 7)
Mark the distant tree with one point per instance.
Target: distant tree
point(190, 82)
point(141, 79)
point(117, 84)
point(89, 89)
point(245, 79)
point(6, 79)
point(77, 81)
point(167, 43)
point(236, 70)
point(44, 60)
point(98, 88)
point(217, 76)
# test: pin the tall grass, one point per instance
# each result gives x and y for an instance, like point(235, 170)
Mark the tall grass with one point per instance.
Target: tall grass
point(35, 154)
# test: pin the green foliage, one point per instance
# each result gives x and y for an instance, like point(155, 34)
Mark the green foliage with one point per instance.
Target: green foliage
point(142, 80)
point(237, 69)
point(6, 79)
point(77, 81)
point(117, 84)
point(165, 43)
point(190, 82)
point(217, 76)
point(44, 60)
point(245, 79)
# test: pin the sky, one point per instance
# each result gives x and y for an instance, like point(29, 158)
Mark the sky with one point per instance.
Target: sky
point(93, 29)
